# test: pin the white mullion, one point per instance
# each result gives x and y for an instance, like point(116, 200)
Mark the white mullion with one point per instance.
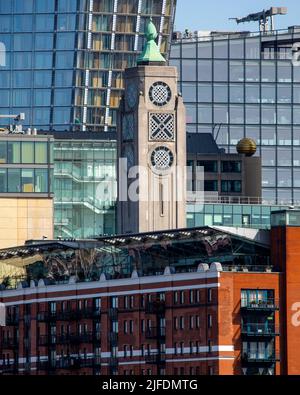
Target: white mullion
point(138, 25)
point(87, 72)
point(163, 12)
point(112, 48)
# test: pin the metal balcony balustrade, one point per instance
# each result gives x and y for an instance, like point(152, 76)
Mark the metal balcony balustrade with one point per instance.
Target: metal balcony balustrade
point(260, 357)
point(157, 307)
point(155, 359)
point(8, 369)
point(12, 320)
point(113, 313)
point(113, 338)
point(113, 362)
point(260, 305)
point(10, 343)
point(70, 338)
point(71, 363)
point(260, 330)
point(155, 333)
point(69, 315)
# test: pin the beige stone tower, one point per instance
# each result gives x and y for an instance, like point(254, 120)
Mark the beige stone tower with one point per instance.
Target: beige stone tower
point(152, 135)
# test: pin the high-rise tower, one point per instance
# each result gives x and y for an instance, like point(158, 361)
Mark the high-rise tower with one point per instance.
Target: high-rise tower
point(152, 135)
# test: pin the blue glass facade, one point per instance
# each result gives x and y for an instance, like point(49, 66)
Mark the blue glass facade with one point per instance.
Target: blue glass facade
point(246, 85)
point(65, 58)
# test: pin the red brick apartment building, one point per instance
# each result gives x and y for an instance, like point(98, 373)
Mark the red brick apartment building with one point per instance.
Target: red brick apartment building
point(156, 303)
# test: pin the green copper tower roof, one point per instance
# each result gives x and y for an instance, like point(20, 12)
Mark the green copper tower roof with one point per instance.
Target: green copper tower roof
point(151, 53)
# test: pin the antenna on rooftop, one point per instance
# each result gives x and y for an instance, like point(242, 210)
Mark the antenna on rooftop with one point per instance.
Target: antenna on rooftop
point(265, 18)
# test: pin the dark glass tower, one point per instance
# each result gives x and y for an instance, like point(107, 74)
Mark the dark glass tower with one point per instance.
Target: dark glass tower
point(65, 58)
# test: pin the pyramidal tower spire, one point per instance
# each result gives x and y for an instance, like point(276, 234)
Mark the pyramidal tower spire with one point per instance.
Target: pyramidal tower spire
point(151, 54)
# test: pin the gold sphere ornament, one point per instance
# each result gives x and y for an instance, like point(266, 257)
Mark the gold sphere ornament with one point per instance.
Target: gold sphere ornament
point(246, 147)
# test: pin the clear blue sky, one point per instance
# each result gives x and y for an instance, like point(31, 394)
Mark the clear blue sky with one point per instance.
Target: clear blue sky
point(214, 14)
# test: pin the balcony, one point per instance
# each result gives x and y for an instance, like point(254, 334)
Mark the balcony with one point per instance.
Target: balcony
point(74, 363)
point(260, 358)
point(9, 344)
point(260, 305)
point(46, 341)
point(113, 362)
point(8, 369)
point(113, 313)
point(47, 316)
point(155, 333)
point(157, 307)
point(155, 359)
point(12, 320)
point(113, 339)
point(260, 330)
point(74, 338)
point(69, 315)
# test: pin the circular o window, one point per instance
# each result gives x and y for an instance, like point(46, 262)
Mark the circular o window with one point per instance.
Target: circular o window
point(160, 94)
point(162, 158)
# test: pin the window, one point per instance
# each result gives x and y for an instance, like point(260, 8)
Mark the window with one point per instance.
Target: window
point(175, 297)
point(181, 323)
point(231, 167)
point(3, 180)
point(209, 321)
point(220, 70)
point(27, 152)
point(231, 186)
point(131, 327)
point(191, 322)
point(211, 185)
point(209, 165)
point(14, 176)
point(41, 181)
point(41, 155)
point(3, 152)
point(125, 327)
point(182, 296)
point(175, 323)
point(209, 295)
point(192, 299)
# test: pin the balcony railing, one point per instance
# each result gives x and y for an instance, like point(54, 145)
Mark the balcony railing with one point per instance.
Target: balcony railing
point(260, 358)
point(69, 363)
point(113, 313)
point(113, 339)
point(156, 307)
point(73, 338)
point(155, 359)
point(263, 305)
point(69, 315)
point(12, 320)
point(155, 333)
point(260, 330)
point(113, 362)
point(8, 369)
point(9, 344)
point(47, 316)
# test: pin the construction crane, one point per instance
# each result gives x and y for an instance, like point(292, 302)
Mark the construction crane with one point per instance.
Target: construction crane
point(265, 18)
point(13, 128)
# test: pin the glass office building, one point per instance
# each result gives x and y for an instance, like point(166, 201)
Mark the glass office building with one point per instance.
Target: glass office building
point(245, 84)
point(85, 187)
point(62, 61)
point(256, 216)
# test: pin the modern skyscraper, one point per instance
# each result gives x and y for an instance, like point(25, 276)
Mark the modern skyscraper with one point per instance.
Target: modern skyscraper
point(242, 84)
point(64, 60)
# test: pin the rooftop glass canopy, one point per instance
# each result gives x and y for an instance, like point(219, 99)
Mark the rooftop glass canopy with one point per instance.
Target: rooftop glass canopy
point(148, 254)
